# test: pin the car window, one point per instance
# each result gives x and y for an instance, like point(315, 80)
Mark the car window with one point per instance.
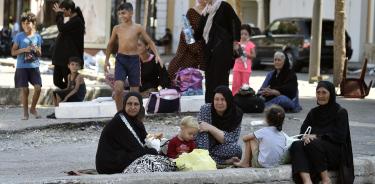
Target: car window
point(285, 27)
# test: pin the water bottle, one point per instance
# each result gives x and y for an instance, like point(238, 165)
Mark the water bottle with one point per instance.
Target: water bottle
point(243, 56)
point(188, 31)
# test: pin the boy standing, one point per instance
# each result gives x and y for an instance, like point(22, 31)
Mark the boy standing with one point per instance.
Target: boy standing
point(27, 48)
point(127, 64)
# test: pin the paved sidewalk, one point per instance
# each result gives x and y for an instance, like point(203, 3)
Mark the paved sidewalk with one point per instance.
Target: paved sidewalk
point(26, 164)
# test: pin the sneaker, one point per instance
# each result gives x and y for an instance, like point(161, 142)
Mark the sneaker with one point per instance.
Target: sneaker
point(51, 116)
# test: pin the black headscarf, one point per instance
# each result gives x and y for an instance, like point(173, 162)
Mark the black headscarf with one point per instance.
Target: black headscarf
point(232, 116)
point(325, 114)
point(285, 81)
point(141, 114)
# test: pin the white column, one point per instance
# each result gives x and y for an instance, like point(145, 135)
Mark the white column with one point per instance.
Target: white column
point(1, 13)
point(260, 21)
point(370, 21)
point(161, 15)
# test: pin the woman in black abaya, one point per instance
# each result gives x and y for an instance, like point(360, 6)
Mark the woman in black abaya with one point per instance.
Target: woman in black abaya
point(328, 147)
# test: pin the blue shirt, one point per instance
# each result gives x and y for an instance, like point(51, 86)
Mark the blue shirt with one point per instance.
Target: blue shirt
point(23, 41)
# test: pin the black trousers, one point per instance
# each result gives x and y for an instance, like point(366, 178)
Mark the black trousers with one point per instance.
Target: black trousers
point(315, 157)
point(215, 76)
point(60, 76)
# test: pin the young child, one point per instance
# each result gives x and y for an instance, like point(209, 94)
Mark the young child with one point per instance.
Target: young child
point(242, 66)
point(153, 74)
point(184, 141)
point(76, 89)
point(27, 48)
point(265, 147)
point(127, 64)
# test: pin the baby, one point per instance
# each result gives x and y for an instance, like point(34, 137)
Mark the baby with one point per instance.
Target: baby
point(184, 141)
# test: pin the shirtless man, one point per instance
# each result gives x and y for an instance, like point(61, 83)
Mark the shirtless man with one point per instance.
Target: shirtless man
point(127, 63)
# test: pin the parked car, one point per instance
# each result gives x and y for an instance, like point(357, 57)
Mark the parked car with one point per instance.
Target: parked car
point(49, 36)
point(254, 30)
point(293, 36)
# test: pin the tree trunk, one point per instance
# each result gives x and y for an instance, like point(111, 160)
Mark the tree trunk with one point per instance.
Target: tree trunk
point(339, 42)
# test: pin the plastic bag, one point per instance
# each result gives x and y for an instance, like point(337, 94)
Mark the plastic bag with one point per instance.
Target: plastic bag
point(197, 160)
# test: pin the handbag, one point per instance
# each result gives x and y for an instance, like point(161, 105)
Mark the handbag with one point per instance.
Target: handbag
point(189, 81)
point(289, 140)
point(164, 101)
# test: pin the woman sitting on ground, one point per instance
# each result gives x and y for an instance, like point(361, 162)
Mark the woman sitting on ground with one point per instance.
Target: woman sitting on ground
point(280, 86)
point(328, 147)
point(123, 146)
point(220, 127)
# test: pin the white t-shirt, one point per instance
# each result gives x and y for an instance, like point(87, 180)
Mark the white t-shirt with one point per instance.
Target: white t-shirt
point(271, 146)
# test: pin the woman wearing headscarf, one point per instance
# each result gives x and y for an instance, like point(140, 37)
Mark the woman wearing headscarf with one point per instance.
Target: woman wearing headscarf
point(122, 146)
point(189, 55)
point(221, 28)
point(220, 127)
point(328, 147)
point(69, 42)
point(280, 86)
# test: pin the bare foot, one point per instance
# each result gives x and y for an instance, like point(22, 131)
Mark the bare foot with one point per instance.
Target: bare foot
point(35, 113)
point(241, 164)
point(25, 117)
point(232, 160)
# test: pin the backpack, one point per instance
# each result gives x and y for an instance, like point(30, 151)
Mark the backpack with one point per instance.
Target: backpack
point(164, 101)
point(189, 81)
point(248, 101)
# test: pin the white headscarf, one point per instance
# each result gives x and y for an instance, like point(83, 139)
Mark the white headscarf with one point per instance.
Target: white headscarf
point(211, 11)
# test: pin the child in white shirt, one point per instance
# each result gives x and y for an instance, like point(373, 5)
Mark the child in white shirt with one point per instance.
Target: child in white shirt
point(265, 147)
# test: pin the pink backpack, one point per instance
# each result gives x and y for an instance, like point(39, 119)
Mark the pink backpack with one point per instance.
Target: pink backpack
point(189, 78)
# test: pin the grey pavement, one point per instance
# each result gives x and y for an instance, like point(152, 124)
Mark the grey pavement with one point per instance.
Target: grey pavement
point(40, 150)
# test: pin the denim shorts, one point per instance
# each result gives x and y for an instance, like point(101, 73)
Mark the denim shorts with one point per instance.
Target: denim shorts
point(128, 66)
point(23, 76)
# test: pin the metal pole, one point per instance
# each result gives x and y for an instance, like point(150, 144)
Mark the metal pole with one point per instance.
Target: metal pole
point(316, 40)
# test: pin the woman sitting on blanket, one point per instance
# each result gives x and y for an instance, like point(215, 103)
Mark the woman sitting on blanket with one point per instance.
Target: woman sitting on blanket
point(123, 146)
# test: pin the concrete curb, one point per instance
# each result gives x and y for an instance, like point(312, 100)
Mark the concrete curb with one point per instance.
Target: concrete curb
point(364, 172)
point(11, 96)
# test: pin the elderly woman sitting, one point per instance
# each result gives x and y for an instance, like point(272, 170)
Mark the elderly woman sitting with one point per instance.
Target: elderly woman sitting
point(328, 146)
point(280, 86)
point(220, 127)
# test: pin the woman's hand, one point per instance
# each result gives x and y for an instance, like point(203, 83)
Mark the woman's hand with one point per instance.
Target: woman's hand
point(270, 92)
point(308, 138)
point(204, 127)
point(57, 8)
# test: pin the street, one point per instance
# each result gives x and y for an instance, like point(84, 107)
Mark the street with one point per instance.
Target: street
point(48, 148)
